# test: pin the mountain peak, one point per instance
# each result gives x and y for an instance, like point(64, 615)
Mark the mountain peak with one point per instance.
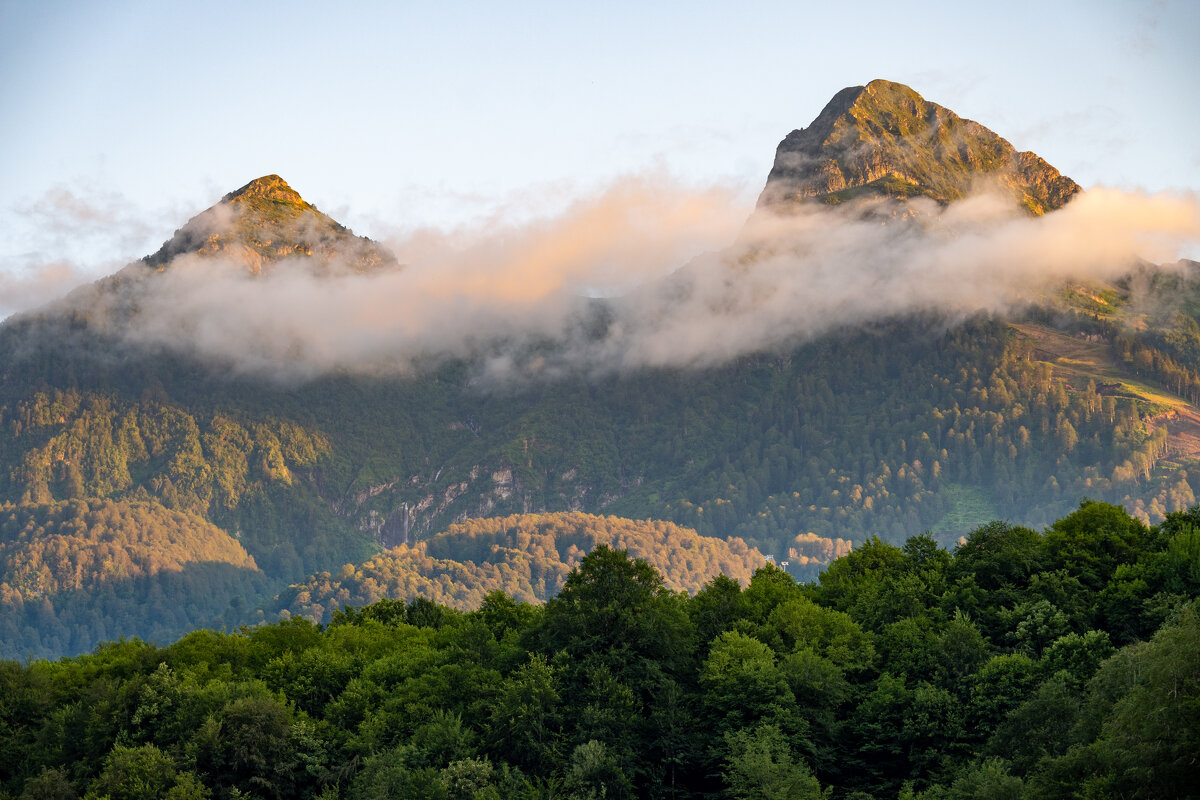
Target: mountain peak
point(265, 222)
point(884, 139)
point(268, 187)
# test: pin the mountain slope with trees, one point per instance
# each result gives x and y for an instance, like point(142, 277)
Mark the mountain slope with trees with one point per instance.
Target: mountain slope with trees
point(527, 557)
point(75, 573)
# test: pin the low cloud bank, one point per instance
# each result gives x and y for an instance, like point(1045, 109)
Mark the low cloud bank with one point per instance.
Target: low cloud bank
point(34, 284)
point(648, 273)
point(69, 236)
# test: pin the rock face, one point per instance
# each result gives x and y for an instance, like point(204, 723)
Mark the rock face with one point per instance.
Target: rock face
point(265, 222)
point(884, 139)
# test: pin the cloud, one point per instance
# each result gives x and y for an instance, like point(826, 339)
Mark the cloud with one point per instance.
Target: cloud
point(460, 293)
point(807, 274)
point(70, 235)
point(647, 273)
point(88, 215)
point(35, 284)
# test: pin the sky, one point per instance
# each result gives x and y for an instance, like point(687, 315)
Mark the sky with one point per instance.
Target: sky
point(121, 120)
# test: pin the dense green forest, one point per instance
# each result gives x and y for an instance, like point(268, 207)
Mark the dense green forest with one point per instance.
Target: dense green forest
point(1064, 664)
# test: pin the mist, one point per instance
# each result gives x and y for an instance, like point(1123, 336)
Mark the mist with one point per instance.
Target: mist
point(35, 284)
point(69, 236)
point(647, 273)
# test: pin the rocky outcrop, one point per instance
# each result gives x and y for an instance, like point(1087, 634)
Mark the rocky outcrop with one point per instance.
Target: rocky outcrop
point(266, 222)
point(885, 140)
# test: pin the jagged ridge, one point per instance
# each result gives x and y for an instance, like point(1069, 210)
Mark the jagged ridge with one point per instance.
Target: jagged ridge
point(884, 139)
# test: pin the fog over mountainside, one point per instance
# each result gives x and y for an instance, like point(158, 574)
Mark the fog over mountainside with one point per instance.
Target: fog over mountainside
point(917, 328)
point(886, 205)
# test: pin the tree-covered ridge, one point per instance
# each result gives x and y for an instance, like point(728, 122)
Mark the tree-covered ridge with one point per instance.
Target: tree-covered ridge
point(77, 572)
point(526, 557)
point(1064, 664)
point(76, 544)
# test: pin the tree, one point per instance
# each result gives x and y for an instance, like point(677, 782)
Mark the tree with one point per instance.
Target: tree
point(51, 784)
point(961, 650)
point(741, 684)
point(134, 773)
point(1038, 728)
point(1000, 685)
point(760, 765)
point(998, 556)
point(802, 624)
point(251, 743)
point(1150, 745)
point(1093, 540)
point(986, 780)
point(594, 774)
point(614, 611)
point(525, 724)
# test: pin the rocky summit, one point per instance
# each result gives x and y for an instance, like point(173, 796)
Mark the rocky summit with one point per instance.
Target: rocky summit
point(266, 222)
point(885, 140)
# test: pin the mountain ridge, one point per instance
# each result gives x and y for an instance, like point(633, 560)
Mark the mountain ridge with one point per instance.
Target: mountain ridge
point(266, 222)
point(884, 139)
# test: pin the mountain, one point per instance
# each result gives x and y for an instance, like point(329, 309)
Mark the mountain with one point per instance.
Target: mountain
point(266, 222)
point(884, 139)
point(886, 427)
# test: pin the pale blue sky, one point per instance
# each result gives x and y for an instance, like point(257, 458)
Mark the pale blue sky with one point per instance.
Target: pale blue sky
point(121, 119)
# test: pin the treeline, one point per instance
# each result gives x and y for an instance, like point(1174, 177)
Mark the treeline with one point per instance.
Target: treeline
point(1056, 665)
point(526, 557)
point(76, 573)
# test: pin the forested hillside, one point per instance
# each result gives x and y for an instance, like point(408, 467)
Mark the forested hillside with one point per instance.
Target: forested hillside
point(526, 557)
point(1064, 664)
point(76, 573)
point(890, 431)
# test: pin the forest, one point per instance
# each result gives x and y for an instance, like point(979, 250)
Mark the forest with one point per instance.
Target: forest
point(78, 573)
point(887, 431)
point(1056, 664)
point(524, 556)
